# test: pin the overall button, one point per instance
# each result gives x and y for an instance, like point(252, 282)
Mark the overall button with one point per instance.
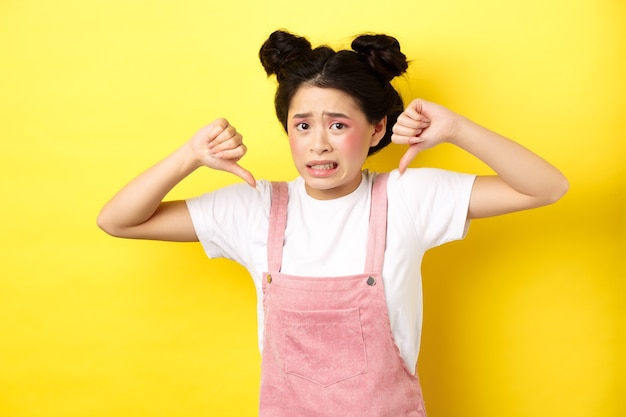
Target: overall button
point(269, 279)
point(371, 281)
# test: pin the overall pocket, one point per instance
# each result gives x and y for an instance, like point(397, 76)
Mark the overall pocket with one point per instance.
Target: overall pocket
point(324, 346)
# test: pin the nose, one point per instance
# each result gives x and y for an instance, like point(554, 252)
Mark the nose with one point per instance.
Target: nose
point(319, 142)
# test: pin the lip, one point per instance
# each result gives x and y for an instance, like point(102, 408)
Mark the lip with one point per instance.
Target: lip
point(321, 169)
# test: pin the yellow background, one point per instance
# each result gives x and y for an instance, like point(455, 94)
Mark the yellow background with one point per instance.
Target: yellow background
point(526, 317)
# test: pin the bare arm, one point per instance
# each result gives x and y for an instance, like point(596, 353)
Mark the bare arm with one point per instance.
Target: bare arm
point(138, 211)
point(523, 180)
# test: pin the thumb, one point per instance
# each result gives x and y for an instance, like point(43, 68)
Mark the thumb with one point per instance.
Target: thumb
point(243, 173)
point(408, 156)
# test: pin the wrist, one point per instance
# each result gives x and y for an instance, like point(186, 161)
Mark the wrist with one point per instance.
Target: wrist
point(462, 131)
point(187, 159)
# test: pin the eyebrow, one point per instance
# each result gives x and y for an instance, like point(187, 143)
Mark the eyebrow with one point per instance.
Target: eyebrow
point(329, 114)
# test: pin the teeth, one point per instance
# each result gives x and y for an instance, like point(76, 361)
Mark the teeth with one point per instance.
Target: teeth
point(323, 166)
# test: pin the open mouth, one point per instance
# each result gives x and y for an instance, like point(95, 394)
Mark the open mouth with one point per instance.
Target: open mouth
point(321, 169)
point(324, 166)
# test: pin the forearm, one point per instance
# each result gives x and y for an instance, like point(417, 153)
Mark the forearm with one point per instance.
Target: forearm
point(137, 202)
point(519, 168)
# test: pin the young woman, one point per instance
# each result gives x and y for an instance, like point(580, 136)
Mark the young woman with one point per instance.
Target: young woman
point(335, 254)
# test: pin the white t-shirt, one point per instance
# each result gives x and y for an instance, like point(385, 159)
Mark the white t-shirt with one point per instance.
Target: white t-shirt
point(426, 208)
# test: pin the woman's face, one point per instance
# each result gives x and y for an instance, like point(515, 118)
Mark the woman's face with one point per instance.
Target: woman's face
point(329, 137)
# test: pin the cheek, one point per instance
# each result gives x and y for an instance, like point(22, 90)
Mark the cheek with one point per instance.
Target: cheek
point(295, 146)
point(292, 141)
point(356, 142)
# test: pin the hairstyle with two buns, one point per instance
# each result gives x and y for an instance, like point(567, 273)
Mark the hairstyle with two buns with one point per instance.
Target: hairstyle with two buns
point(364, 73)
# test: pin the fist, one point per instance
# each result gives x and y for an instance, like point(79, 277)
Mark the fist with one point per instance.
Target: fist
point(219, 146)
point(422, 125)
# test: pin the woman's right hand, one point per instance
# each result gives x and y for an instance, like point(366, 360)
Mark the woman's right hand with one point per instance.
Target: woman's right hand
point(138, 210)
point(219, 146)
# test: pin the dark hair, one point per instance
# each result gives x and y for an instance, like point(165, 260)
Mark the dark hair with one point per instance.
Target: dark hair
point(363, 73)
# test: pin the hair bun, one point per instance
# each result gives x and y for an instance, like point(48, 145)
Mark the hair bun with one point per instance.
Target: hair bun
point(382, 53)
point(281, 48)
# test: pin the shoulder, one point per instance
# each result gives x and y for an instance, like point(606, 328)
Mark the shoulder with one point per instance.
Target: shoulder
point(426, 180)
point(430, 190)
point(235, 198)
point(428, 176)
point(433, 201)
point(238, 191)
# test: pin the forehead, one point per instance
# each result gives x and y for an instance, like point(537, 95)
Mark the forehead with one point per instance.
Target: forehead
point(311, 99)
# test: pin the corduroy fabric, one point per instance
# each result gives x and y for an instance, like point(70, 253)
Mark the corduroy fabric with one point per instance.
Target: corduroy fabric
point(328, 349)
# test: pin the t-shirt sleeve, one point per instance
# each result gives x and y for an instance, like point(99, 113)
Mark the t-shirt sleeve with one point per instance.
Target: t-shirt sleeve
point(229, 220)
point(437, 202)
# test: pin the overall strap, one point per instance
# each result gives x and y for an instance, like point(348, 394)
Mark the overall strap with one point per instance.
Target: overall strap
point(377, 235)
point(278, 222)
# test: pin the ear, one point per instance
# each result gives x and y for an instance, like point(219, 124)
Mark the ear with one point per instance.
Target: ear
point(380, 128)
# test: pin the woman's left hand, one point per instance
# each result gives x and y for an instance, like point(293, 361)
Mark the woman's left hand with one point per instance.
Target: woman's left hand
point(422, 125)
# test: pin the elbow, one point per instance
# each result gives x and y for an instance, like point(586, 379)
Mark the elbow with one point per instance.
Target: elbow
point(107, 226)
point(103, 225)
point(557, 190)
point(109, 223)
point(564, 187)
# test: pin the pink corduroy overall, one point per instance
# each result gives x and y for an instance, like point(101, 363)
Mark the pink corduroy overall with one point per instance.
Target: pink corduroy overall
point(328, 349)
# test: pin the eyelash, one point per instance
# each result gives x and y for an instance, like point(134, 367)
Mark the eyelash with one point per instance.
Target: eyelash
point(334, 126)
